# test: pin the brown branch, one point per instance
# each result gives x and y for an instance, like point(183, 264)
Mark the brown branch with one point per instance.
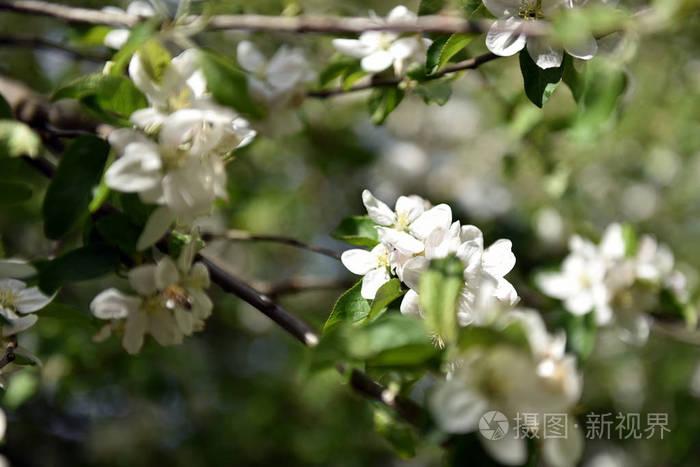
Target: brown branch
point(69, 13)
point(243, 236)
point(469, 64)
point(41, 43)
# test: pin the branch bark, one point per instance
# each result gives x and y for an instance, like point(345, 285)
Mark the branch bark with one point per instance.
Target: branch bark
point(41, 43)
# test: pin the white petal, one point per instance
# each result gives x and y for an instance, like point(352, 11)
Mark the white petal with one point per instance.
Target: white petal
point(120, 138)
point(249, 57)
point(358, 261)
point(556, 284)
point(112, 304)
point(287, 68)
point(438, 216)
point(137, 170)
point(149, 118)
point(16, 268)
point(140, 8)
point(401, 241)
point(199, 276)
point(404, 48)
point(400, 13)
point(410, 206)
point(457, 407)
point(499, 8)
point(410, 304)
point(498, 259)
point(166, 273)
point(612, 245)
point(185, 320)
point(352, 47)
point(373, 280)
point(377, 61)
point(505, 292)
point(586, 50)
point(134, 329)
point(580, 304)
point(566, 451)
point(508, 450)
point(15, 326)
point(505, 37)
point(116, 38)
point(471, 233)
point(157, 225)
point(412, 271)
point(31, 299)
point(163, 327)
point(145, 83)
point(377, 210)
point(470, 253)
point(143, 279)
point(543, 54)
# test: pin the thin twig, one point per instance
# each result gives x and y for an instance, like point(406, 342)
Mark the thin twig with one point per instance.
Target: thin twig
point(69, 13)
point(243, 236)
point(471, 63)
point(41, 43)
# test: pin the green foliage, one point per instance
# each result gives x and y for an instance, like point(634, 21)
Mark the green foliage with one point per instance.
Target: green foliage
point(87, 262)
point(13, 192)
point(228, 85)
point(437, 92)
point(348, 69)
point(443, 49)
point(474, 9)
point(140, 34)
point(155, 59)
point(439, 290)
point(580, 333)
point(17, 139)
point(70, 191)
point(108, 97)
point(5, 110)
point(357, 230)
point(400, 435)
point(117, 230)
point(539, 83)
point(386, 294)
point(572, 26)
point(630, 238)
point(430, 7)
point(383, 101)
point(351, 307)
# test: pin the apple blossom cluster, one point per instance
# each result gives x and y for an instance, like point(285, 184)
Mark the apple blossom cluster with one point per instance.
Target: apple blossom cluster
point(507, 36)
point(176, 157)
point(535, 377)
point(380, 50)
point(415, 233)
point(169, 302)
point(615, 283)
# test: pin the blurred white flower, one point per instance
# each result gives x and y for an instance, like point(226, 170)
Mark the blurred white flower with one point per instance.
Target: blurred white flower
point(116, 38)
point(17, 301)
point(281, 80)
point(380, 50)
point(171, 302)
point(507, 36)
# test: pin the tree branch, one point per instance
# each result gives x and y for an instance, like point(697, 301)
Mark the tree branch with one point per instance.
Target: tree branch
point(69, 13)
point(469, 64)
point(243, 236)
point(41, 43)
point(301, 284)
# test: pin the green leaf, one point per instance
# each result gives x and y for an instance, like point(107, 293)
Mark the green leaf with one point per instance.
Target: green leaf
point(630, 238)
point(67, 314)
point(437, 92)
point(228, 85)
point(155, 59)
point(386, 294)
point(357, 230)
point(139, 34)
point(400, 435)
point(108, 97)
point(351, 307)
point(117, 230)
point(70, 191)
point(338, 66)
point(606, 83)
point(580, 333)
point(87, 262)
point(383, 101)
point(12, 192)
point(5, 110)
point(576, 80)
point(539, 83)
point(443, 49)
point(17, 139)
point(439, 289)
point(430, 7)
point(474, 9)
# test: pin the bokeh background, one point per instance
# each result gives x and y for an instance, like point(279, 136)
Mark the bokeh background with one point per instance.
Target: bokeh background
point(241, 392)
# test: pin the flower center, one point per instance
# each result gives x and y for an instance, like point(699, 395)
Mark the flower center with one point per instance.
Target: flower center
point(8, 298)
point(401, 221)
point(531, 10)
point(180, 100)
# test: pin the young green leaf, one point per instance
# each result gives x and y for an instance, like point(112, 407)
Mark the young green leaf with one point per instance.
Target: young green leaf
point(357, 230)
point(155, 59)
point(580, 333)
point(339, 66)
point(386, 294)
point(87, 262)
point(228, 85)
point(383, 101)
point(351, 307)
point(437, 92)
point(439, 289)
point(442, 50)
point(539, 83)
point(17, 139)
point(400, 435)
point(70, 191)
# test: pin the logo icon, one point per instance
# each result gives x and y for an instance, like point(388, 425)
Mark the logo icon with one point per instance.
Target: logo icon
point(493, 425)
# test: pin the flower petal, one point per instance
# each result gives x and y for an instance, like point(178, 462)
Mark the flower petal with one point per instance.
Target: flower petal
point(134, 330)
point(143, 279)
point(439, 216)
point(31, 299)
point(410, 206)
point(249, 57)
point(352, 47)
point(498, 259)
point(373, 280)
point(156, 226)
point(166, 273)
point(499, 8)
point(377, 210)
point(456, 407)
point(543, 54)
point(505, 37)
point(112, 304)
point(377, 61)
point(16, 268)
point(15, 326)
point(401, 241)
point(410, 304)
point(586, 50)
point(403, 48)
point(358, 261)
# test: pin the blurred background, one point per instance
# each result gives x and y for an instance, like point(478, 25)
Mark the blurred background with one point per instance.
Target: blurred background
point(241, 392)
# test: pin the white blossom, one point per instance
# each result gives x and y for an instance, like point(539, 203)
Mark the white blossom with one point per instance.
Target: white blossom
point(116, 38)
point(374, 265)
point(279, 81)
point(507, 36)
point(380, 50)
point(171, 302)
point(18, 302)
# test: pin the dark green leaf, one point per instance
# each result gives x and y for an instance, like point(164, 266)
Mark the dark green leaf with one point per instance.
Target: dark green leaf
point(574, 79)
point(228, 84)
point(87, 262)
point(383, 101)
point(385, 295)
point(336, 68)
point(117, 230)
point(70, 191)
point(398, 434)
point(136, 210)
point(5, 110)
point(437, 92)
point(439, 289)
point(446, 48)
point(351, 307)
point(12, 192)
point(17, 139)
point(580, 333)
point(430, 7)
point(67, 314)
point(539, 83)
point(357, 230)
point(432, 56)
